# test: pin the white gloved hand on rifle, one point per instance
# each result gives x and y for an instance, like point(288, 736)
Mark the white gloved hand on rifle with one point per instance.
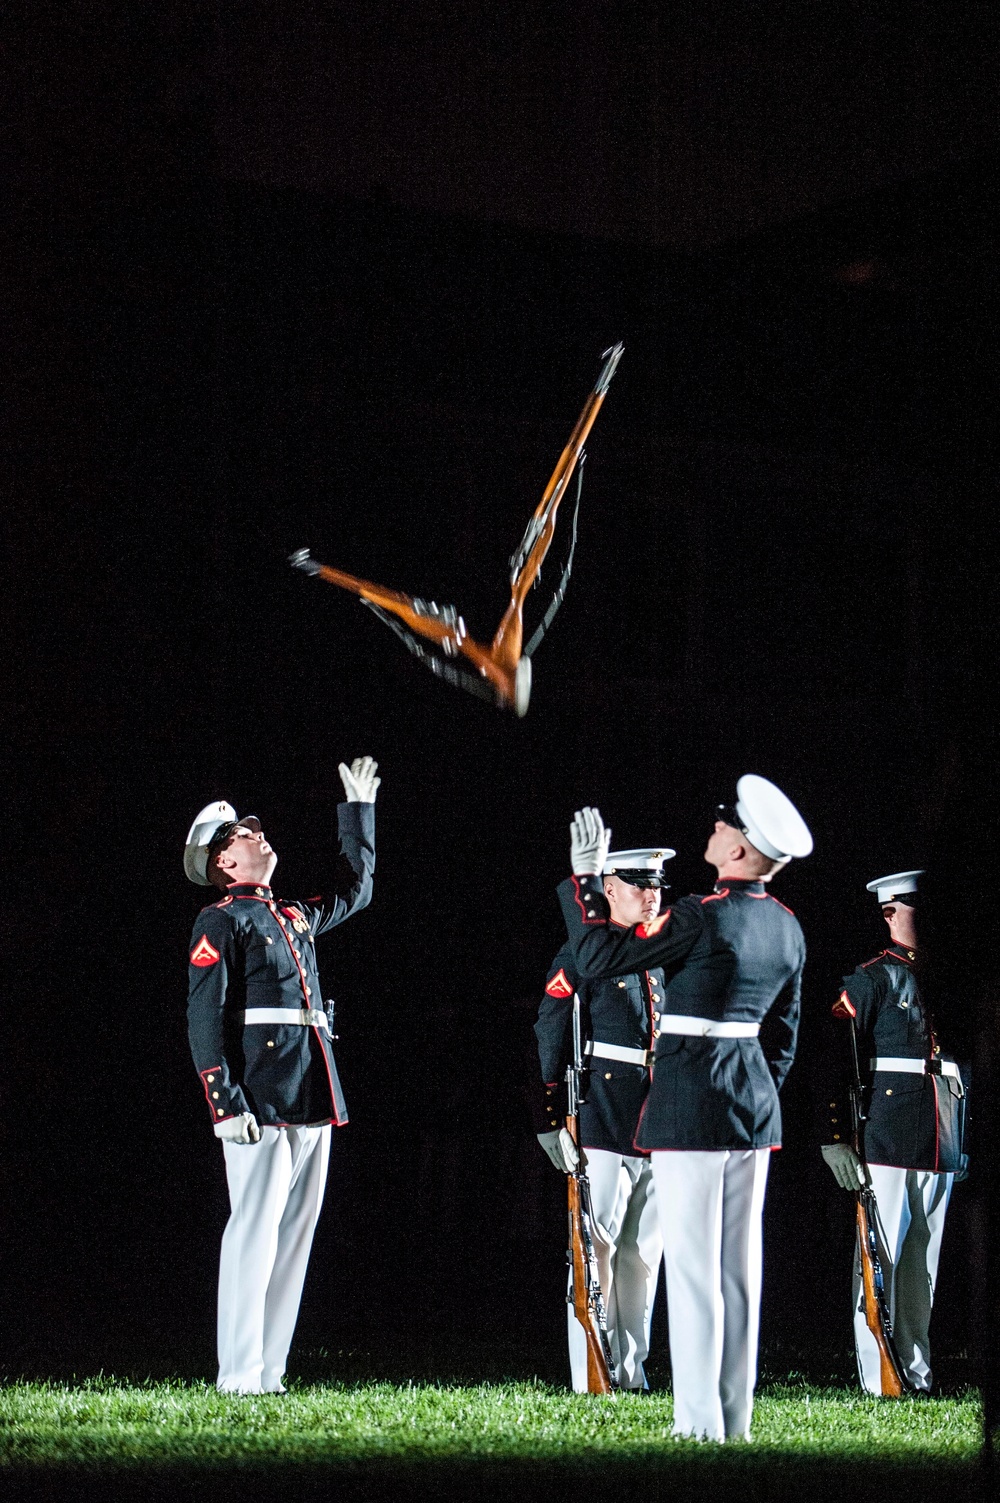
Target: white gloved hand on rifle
point(848, 1170)
point(359, 780)
point(240, 1129)
point(561, 1149)
point(589, 843)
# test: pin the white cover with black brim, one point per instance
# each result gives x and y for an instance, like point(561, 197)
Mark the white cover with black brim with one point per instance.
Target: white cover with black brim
point(895, 886)
point(773, 824)
point(645, 858)
point(200, 837)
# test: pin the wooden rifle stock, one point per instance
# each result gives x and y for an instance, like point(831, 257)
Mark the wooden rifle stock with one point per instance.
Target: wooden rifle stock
point(588, 1301)
point(588, 1304)
point(893, 1380)
point(503, 665)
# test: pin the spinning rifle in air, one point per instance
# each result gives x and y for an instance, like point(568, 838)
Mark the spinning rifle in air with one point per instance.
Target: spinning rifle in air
point(437, 635)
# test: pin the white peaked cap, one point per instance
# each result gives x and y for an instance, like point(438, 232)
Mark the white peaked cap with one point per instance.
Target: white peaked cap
point(200, 837)
point(770, 819)
point(896, 886)
point(643, 859)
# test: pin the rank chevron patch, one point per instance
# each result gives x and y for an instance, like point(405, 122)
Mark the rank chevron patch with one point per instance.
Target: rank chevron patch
point(559, 986)
point(844, 1007)
point(204, 953)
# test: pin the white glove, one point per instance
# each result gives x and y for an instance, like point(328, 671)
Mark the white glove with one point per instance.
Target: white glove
point(589, 843)
point(561, 1149)
point(359, 780)
point(848, 1170)
point(241, 1129)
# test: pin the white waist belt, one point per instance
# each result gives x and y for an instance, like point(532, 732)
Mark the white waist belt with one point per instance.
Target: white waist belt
point(305, 1017)
point(916, 1066)
point(672, 1022)
point(620, 1052)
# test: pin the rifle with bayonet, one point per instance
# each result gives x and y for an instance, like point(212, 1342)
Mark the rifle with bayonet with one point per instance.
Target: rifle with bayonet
point(894, 1381)
point(587, 1299)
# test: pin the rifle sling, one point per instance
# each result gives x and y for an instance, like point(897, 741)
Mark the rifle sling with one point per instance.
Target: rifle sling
point(560, 593)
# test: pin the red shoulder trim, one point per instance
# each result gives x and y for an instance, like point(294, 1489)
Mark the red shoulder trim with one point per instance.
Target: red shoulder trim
point(224, 904)
point(776, 900)
point(874, 961)
point(714, 897)
point(559, 985)
point(650, 930)
point(844, 1007)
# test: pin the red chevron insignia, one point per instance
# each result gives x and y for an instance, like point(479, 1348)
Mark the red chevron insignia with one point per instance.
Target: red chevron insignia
point(844, 1007)
point(559, 986)
point(204, 953)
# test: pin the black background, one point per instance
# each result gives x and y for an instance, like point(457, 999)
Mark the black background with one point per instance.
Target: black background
point(249, 315)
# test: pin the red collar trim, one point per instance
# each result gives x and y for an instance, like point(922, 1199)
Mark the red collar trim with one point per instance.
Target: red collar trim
point(250, 890)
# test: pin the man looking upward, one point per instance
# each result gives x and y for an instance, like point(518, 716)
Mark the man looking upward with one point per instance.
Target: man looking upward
point(260, 1039)
point(726, 1035)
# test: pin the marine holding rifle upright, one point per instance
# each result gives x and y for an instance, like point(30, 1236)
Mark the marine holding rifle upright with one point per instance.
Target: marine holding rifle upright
point(914, 1100)
point(726, 1025)
point(617, 1027)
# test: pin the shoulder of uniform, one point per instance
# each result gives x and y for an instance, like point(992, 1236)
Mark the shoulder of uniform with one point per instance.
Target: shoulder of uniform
point(875, 960)
point(215, 913)
point(561, 980)
point(781, 904)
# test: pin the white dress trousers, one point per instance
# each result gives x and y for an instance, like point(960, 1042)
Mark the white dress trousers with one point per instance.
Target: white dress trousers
point(912, 1204)
point(710, 1205)
point(627, 1243)
point(275, 1194)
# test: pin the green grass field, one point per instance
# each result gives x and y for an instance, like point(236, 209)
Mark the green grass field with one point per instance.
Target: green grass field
point(528, 1439)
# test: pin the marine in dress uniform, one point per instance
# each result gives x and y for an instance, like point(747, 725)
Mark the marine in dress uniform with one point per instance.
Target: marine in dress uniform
point(913, 1134)
point(617, 1026)
point(726, 1035)
point(260, 1039)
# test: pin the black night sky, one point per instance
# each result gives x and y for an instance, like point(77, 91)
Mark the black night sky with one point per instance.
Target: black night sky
point(300, 275)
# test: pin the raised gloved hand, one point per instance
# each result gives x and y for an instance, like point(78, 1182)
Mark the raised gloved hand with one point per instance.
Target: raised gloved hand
point(240, 1129)
point(589, 843)
point(848, 1170)
point(359, 780)
point(561, 1149)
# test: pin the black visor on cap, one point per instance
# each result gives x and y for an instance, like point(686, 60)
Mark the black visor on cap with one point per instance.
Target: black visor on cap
point(222, 834)
point(905, 899)
point(640, 878)
point(728, 815)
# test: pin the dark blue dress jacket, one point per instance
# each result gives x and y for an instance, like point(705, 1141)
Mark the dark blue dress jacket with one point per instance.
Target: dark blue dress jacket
point(614, 1010)
point(255, 950)
point(733, 956)
point(913, 1121)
